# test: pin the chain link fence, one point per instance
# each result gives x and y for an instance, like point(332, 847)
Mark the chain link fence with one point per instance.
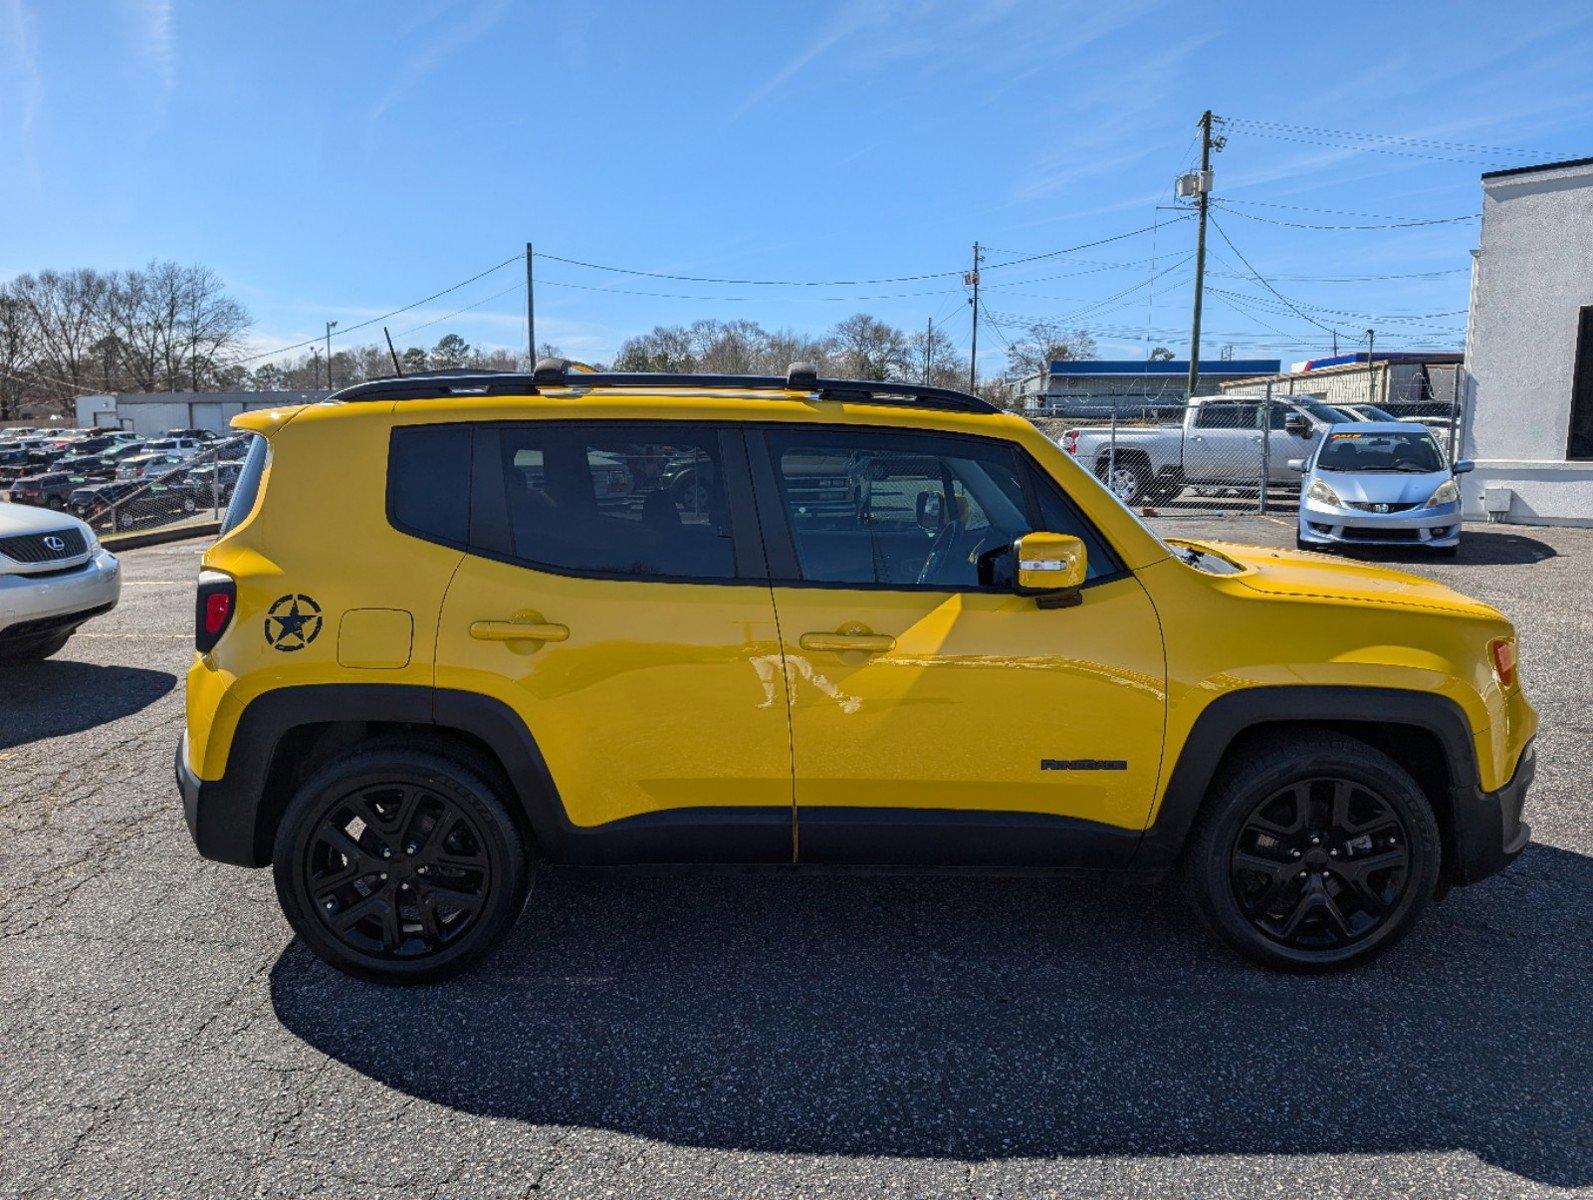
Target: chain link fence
point(156, 495)
point(1221, 453)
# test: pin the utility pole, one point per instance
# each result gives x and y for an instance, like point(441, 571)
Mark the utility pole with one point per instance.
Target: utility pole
point(1371, 382)
point(1335, 343)
point(972, 280)
point(530, 312)
point(929, 333)
point(1200, 187)
point(330, 325)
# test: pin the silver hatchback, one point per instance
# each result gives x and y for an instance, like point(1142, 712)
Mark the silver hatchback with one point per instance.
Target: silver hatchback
point(1379, 483)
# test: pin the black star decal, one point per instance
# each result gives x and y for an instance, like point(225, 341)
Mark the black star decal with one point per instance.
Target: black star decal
point(293, 622)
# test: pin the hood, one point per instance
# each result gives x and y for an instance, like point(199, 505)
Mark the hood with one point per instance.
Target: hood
point(1298, 573)
point(24, 518)
point(1383, 487)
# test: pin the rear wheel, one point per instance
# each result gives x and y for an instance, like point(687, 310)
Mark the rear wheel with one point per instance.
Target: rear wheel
point(1317, 852)
point(400, 866)
point(1127, 480)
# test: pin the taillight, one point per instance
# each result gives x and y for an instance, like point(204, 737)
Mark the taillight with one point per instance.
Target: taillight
point(1503, 653)
point(218, 597)
point(1070, 441)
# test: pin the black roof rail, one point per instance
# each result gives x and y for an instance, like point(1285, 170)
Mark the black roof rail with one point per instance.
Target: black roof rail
point(558, 373)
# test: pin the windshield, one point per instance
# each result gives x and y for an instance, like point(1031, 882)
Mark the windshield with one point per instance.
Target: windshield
point(1323, 412)
point(1415, 452)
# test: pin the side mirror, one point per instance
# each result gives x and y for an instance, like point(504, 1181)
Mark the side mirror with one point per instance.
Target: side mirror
point(1051, 567)
point(1296, 425)
point(1463, 465)
point(931, 513)
point(1297, 465)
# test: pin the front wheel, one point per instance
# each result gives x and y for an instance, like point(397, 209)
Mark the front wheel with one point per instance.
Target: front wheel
point(1317, 852)
point(400, 866)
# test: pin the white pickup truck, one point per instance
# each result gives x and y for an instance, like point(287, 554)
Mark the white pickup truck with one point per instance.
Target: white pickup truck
point(1222, 442)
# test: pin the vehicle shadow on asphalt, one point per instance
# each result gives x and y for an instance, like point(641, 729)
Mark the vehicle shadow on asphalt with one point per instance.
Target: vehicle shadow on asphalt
point(56, 698)
point(985, 1018)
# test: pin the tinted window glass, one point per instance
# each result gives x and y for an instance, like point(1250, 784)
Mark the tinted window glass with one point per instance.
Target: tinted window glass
point(428, 481)
point(1226, 416)
point(248, 489)
point(608, 499)
point(886, 509)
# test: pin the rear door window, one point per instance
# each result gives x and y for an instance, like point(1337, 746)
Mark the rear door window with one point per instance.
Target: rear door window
point(609, 499)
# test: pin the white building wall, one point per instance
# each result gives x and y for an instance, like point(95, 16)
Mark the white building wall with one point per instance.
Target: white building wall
point(150, 413)
point(1530, 277)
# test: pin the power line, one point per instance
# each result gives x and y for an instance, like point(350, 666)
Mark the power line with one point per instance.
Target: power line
point(1338, 212)
point(1349, 228)
point(1258, 277)
point(1401, 139)
point(1399, 318)
point(519, 286)
point(917, 278)
point(385, 316)
point(586, 287)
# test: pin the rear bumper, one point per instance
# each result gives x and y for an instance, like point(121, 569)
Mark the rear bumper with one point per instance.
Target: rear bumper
point(220, 819)
point(1489, 833)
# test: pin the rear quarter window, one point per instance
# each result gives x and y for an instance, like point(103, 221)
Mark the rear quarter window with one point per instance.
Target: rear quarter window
point(428, 482)
point(248, 488)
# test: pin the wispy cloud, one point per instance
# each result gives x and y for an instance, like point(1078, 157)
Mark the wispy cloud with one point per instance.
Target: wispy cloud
point(22, 67)
point(156, 43)
point(442, 42)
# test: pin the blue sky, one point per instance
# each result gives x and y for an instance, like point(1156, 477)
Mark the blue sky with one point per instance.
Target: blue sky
point(337, 161)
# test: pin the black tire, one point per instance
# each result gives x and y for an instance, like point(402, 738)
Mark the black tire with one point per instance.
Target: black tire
point(418, 915)
point(1297, 904)
point(37, 650)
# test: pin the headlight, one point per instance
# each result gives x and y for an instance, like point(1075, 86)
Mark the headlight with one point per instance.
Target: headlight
point(1447, 493)
point(1322, 494)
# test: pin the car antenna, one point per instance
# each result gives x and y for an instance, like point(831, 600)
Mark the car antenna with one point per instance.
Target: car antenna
point(397, 370)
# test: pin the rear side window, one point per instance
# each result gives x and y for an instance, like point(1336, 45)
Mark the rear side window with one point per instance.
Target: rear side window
point(428, 482)
point(248, 489)
point(1222, 414)
point(638, 501)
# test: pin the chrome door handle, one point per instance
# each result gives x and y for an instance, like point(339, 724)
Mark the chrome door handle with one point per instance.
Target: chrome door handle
point(841, 643)
point(519, 631)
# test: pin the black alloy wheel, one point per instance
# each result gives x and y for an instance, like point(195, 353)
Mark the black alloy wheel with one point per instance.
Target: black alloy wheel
point(397, 870)
point(1320, 864)
point(1312, 851)
point(399, 865)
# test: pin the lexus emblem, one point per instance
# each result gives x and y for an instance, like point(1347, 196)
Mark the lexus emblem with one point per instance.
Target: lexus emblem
point(54, 543)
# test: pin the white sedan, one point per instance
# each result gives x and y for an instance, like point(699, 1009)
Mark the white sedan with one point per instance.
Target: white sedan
point(54, 575)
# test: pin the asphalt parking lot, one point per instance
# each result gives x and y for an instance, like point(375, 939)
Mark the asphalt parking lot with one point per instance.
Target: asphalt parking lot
point(162, 1034)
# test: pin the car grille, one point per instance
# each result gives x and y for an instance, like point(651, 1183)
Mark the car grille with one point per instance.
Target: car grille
point(1374, 534)
point(35, 547)
point(1367, 506)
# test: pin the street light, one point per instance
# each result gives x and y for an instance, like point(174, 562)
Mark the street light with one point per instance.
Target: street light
point(330, 325)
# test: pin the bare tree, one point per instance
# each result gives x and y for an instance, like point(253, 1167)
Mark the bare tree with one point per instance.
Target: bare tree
point(1044, 343)
point(865, 347)
point(65, 313)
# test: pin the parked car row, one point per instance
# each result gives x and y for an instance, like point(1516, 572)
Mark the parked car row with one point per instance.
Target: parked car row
point(91, 471)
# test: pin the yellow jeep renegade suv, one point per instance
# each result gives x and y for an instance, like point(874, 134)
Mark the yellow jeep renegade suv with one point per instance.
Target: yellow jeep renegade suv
point(458, 622)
